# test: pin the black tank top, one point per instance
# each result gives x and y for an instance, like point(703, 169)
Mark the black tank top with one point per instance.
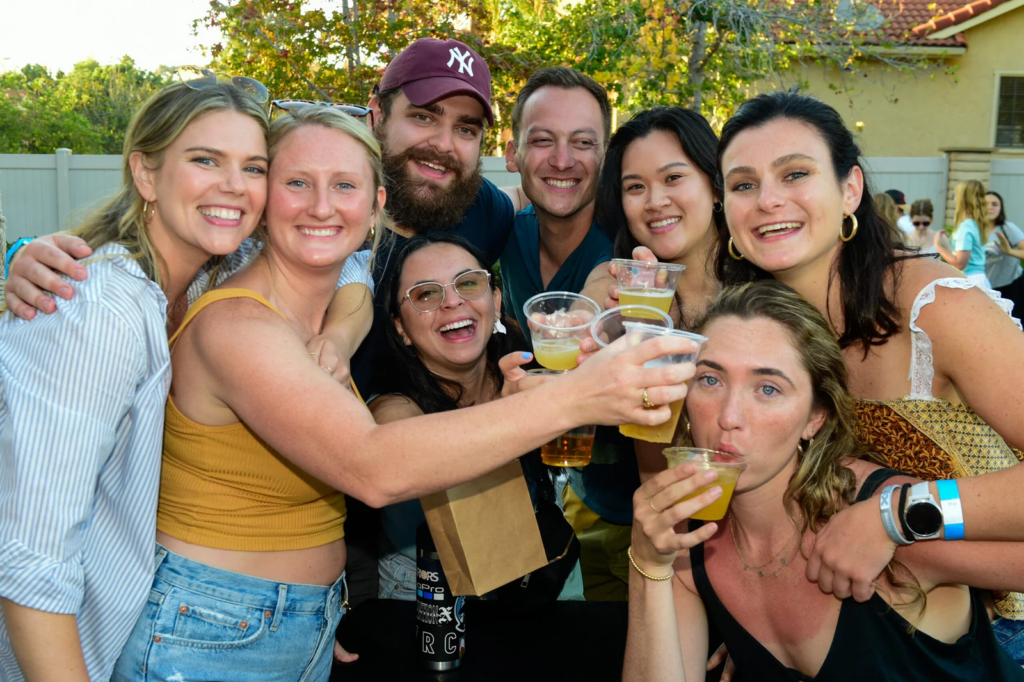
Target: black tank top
point(871, 640)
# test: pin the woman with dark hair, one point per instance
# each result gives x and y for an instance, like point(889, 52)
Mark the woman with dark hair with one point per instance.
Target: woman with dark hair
point(935, 362)
point(771, 388)
point(1004, 269)
point(657, 191)
point(450, 339)
point(921, 216)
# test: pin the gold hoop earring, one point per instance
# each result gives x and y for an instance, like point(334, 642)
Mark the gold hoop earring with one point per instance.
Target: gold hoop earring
point(373, 232)
point(145, 212)
point(853, 232)
point(733, 252)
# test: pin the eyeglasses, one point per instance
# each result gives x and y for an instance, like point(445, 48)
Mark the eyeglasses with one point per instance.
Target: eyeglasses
point(920, 223)
point(353, 110)
point(430, 296)
point(198, 78)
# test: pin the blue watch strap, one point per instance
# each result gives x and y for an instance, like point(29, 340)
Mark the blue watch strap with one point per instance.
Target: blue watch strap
point(952, 512)
point(11, 251)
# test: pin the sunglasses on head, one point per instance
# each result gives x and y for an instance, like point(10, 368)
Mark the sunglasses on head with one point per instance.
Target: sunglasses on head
point(919, 223)
point(353, 110)
point(198, 78)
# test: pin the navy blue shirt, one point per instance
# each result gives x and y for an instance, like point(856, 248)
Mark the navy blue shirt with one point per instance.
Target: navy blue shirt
point(486, 224)
point(607, 484)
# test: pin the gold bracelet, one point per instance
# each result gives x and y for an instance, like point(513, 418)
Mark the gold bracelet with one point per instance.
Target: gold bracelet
point(629, 553)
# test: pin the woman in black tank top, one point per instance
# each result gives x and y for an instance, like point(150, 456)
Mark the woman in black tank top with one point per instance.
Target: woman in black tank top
point(771, 386)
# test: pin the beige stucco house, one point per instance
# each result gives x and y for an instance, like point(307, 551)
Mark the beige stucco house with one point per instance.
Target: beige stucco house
point(973, 117)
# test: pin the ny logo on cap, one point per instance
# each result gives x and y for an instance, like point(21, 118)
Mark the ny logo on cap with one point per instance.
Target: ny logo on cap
point(457, 54)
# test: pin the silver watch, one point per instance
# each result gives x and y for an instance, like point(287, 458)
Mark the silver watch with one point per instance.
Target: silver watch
point(922, 513)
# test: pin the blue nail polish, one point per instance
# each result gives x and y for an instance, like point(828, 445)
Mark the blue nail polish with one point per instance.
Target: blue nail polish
point(527, 356)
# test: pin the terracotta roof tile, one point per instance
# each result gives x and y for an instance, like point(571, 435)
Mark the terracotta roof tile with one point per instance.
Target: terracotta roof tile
point(956, 16)
point(905, 16)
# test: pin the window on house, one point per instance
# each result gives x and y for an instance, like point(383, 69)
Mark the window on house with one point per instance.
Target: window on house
point(1010, 118)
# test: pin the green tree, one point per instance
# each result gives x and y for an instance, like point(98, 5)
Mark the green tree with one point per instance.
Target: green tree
point(87, 110)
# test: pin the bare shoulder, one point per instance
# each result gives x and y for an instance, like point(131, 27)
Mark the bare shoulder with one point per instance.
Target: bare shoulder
point(394, 407)
point(236, 328)
point(918, 273)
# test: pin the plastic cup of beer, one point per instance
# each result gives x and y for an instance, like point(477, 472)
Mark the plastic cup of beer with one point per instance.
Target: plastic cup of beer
point(573, 448)
point(608, 327)
point(558, 320)
point(644, 283)
point(638, 332)
point(728, 466)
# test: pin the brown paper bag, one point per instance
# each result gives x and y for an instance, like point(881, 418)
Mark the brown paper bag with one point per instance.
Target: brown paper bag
point(485, 531)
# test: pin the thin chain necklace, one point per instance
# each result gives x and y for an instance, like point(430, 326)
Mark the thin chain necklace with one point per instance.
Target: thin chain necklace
point(781, 557)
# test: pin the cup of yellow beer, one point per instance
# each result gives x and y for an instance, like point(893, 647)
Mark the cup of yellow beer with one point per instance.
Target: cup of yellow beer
point(558, 320)
point(608, 327)
point(644, 283)
point(728, 465)
point(638, 332)
point(573, 448)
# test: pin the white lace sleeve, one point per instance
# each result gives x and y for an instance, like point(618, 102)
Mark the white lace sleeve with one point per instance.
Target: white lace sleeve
point(922, 369)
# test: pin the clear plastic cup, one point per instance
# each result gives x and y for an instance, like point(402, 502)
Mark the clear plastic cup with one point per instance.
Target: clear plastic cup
point(638, 332)
point(608, 326)
point(558, 320)
point(573, 448)
point(728, 466)
point(644, 283)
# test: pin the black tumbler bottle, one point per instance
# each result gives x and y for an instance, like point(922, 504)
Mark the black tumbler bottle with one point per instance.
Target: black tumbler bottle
point(440, 629)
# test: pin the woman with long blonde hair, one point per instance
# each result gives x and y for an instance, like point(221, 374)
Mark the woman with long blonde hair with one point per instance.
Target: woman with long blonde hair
point(967, 252)
point(82, 391)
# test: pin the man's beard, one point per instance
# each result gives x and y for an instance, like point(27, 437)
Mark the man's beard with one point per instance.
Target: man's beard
point(420, 205)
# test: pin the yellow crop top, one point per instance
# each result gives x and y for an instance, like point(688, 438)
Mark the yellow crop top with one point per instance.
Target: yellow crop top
point(224, 487)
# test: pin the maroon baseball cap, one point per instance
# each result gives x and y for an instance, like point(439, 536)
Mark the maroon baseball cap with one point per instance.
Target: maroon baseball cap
point(432, 69)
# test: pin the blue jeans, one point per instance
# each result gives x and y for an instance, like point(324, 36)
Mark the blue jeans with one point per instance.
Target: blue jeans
point(397, 577)
point(205, 623)
point(1010, 635)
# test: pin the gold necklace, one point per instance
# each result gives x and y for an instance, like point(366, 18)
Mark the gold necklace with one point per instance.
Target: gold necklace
point(780, 557)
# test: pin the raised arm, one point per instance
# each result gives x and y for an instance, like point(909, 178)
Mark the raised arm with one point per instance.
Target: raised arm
point(324, 429)
point(958, 259)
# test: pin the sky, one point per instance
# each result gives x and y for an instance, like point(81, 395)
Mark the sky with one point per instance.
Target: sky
point(59, 33)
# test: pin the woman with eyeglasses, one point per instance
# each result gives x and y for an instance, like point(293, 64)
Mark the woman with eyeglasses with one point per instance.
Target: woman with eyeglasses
point(1004, 269)
point(451, 339)
point(921, 239)
point(261, 446)
point(82, 390)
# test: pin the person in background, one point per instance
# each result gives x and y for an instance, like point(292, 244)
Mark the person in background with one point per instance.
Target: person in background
point(903, 222)
point(967, 250)
point(771, 388)
point(447, 330)
point(887, 209)
point(82, 390)
point(922, 238)
point(1004, 269)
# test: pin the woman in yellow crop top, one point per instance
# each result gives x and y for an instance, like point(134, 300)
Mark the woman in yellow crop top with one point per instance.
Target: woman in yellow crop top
point(260, 442)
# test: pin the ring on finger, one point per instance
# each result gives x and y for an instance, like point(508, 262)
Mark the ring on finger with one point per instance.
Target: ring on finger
point(656, 510)
point(315, 355)
point(648, 405)
point(329, 370)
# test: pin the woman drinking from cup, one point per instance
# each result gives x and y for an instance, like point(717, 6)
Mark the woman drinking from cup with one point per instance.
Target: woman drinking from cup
point(771, 390)
point(453, 341)
point(930, 400)
point(261, 443)
point(83, 389)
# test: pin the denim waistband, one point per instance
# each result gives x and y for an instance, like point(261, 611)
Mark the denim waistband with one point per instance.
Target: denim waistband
point(245, 589)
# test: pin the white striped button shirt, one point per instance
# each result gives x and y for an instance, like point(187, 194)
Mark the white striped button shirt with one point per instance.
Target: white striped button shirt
point(82, 395)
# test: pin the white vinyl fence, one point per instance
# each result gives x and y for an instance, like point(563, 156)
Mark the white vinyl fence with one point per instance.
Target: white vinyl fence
point(46, 193)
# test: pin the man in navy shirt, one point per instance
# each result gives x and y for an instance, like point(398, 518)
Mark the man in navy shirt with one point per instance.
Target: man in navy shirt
point(561, 123)
point(430, 111)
